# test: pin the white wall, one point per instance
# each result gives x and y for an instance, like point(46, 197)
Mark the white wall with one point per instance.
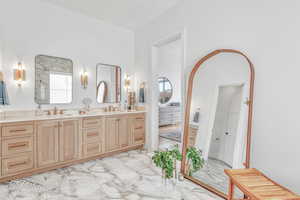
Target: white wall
point(268, 31)
point(34, 27)
point(165, 27)
point(169, 62)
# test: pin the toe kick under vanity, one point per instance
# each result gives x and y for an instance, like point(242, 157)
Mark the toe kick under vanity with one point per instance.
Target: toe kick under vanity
point(38, 145)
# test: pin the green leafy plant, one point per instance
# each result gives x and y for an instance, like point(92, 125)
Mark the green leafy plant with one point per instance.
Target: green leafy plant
point(177, 156)
point(167, 161)
point(195, 160)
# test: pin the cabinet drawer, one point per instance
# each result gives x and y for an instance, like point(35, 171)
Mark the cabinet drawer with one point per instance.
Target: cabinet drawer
point(139, 136)
point(17, 145)
point(139, 116)
point(17, 164)
point(138, 130)
point(17, 130)
point(91, 122)
point(139, 125)
point(92, 149)
point(92, 135)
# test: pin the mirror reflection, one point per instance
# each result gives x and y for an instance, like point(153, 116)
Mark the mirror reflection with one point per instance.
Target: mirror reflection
point(165, 90)
point(218, 120)
point(102, 92)
point(108, 83)
point(53, 80)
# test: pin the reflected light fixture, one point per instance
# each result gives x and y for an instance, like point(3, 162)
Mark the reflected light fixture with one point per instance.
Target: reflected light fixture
point(127, 82)
point(84, 79)
point(19, 74)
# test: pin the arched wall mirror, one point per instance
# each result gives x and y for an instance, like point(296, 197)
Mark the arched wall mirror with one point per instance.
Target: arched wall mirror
point(165, 90)
point(101, 92)
point(220, 98)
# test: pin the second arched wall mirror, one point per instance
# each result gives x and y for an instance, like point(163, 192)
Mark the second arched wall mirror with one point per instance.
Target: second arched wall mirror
point(220, 98)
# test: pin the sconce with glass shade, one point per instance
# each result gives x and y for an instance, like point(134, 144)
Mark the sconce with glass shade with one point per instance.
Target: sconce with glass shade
point(84, 79)
point(19, 74)
point(127, 83)
point(1, 76)
point(129, 93)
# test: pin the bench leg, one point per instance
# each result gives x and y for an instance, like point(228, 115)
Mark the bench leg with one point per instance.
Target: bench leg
point(231, 190)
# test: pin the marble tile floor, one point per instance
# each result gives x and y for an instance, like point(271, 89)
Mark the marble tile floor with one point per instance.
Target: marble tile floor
point(168, 144)
point(213, 174)
point(128, 176)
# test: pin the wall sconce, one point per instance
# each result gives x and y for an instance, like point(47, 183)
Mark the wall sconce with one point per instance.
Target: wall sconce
point(84, 79)
point(19, 74)
point(1, 76)
point(127, 82)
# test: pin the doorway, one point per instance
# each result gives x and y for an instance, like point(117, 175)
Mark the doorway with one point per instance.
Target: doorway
point(167, 94)
point(226, 123)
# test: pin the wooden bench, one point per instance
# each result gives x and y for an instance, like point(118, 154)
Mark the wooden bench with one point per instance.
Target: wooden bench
point(256, 186)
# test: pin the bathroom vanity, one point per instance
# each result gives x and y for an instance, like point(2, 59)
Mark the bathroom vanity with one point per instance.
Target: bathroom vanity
point(41, 143)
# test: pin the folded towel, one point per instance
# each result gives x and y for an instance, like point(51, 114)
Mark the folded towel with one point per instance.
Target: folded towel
point(3, 94)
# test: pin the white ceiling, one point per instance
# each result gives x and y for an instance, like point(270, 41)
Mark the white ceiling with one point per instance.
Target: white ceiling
point(127, 13)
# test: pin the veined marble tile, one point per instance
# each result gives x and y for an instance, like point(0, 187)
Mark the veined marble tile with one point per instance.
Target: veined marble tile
point(126, 176)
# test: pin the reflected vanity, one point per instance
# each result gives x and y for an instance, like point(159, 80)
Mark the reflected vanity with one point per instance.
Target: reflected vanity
point(53, 80)
point(218, 118)
point(108, 83)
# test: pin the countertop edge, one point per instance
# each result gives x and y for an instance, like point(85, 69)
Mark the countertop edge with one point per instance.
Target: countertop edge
point(60, 117)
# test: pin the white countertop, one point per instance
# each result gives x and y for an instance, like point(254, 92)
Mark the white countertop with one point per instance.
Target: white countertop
point(10, 119)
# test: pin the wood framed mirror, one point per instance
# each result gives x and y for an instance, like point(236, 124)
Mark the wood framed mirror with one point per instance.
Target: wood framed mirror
point(220, 98)
point(108, 83)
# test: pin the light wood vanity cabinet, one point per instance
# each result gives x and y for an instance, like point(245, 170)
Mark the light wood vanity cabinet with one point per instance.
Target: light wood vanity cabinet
point(69, 140)
point(93, 136)
point(47, 143)
point(17, 148)
point(57, 141)
point(117, 134)
point(136, 128)
point(31, 147)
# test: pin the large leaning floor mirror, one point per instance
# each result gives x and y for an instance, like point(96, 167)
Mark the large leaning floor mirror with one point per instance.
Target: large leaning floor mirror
point(218, 119)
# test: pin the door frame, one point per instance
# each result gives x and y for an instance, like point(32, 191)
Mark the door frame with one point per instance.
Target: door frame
point(154, 92)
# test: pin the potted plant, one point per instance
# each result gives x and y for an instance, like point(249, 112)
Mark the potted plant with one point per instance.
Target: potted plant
point(194, 160)
point(167, 161)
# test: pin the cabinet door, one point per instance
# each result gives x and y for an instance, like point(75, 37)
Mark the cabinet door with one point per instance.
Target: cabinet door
point(47, 141)
point(137, 128)
point(69, 137)
point(112, 134)
point(124, 136)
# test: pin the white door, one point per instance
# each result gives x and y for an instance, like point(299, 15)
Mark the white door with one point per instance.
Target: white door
point(226, 123)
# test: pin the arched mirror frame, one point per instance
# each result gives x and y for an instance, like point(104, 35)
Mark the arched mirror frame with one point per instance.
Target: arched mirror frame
point(188, 110)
